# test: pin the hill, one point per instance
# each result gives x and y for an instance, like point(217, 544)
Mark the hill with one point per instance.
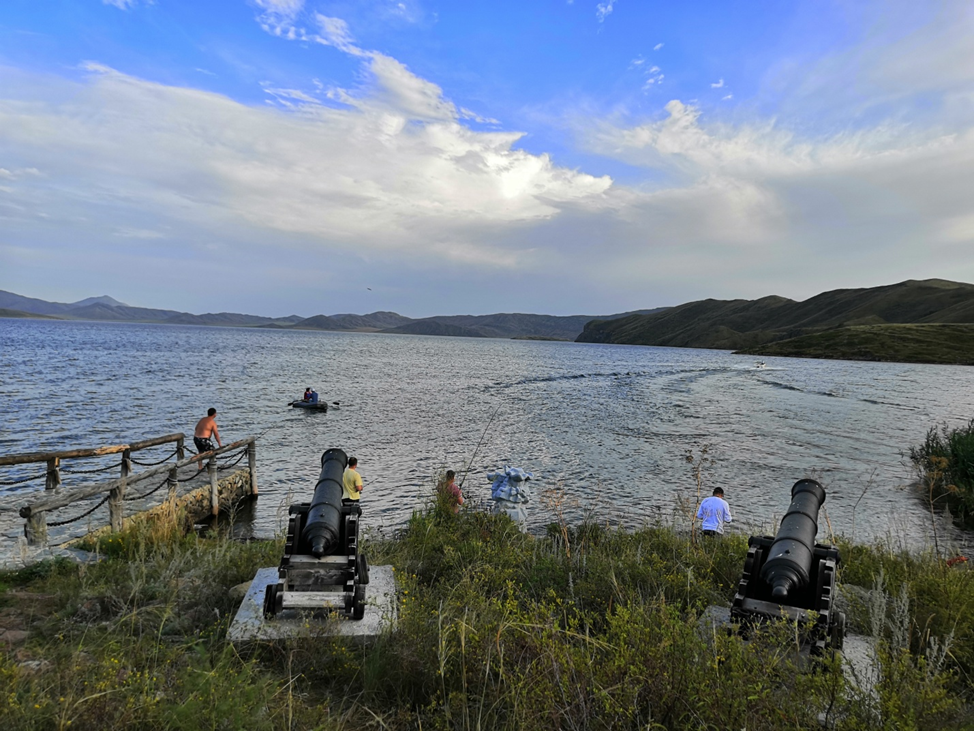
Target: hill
point(4, 312)
point(109, 309)
point(751, 325)
point(501, 325)
point(931, 343)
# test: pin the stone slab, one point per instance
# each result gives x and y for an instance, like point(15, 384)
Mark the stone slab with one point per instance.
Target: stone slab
point(380, 612)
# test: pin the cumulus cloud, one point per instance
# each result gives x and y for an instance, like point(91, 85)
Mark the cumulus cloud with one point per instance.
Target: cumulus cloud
point(604, 10)
point(397, 171)
point(717, 85)
point(869, 196)
point(657, 46)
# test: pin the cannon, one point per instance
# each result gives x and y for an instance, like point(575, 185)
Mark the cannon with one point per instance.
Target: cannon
point(791, 576)
point(322, 568)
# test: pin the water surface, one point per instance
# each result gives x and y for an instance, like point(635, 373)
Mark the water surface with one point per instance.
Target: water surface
point(604, 428)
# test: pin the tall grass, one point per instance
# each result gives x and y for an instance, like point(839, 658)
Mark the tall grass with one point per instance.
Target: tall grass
point(945, 464)
point(584, 628)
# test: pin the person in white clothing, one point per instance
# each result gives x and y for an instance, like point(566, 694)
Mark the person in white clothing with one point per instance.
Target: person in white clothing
point(714, 512)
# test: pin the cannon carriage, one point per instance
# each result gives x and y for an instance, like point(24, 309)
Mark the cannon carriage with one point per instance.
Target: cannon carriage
point(323, 568)
point(790, 576)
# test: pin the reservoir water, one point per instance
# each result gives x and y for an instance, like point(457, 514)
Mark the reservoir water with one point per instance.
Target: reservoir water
point(604, 429)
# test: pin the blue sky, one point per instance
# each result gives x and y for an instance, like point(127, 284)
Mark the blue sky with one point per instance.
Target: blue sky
point(293, 156)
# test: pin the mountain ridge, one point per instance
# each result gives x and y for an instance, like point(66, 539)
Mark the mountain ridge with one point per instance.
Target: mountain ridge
point(755, 325)
point(500, 325)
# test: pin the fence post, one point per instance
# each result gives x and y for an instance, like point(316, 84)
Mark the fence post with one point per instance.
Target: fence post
point(180, 450)
point(214, 486)
point(116, 505)
point(53, 480)
point(252, 465)
point(172, 482)
point(35, 529)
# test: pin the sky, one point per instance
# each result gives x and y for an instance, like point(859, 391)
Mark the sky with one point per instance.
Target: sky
point(281, 157)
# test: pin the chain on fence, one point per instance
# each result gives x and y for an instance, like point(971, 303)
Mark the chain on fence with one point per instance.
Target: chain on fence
point(55, 524)
point(113, 466)
point(147, 494)
point(153, 464)
point(21, 481)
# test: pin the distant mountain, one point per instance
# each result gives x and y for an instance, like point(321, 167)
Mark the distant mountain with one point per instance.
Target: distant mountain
point(751, 324)
point(12, 301)
point(110, 309)
point(501, 325)
point(103, 300)
point(432, 327)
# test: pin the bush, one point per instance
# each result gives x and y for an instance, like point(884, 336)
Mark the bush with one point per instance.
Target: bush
point(945, 464)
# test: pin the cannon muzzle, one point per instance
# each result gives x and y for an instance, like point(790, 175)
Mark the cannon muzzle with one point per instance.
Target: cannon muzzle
point(322, 527)
point(789, 562)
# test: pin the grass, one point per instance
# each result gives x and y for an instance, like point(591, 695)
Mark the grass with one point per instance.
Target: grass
point(913, 343)
point(587, 627)
point(945, 465)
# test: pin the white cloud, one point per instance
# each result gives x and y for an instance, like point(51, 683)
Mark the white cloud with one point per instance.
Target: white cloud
point(278, 17)
point(657, 46)
point(736, 195)
point(395, 172)
point(335, 32)
point(18, 173)
point(718, 85)
point(139, 233)
point(603, 10)
point(120, 4)
point(468, 114)
point(727, 97)
point(288, 97)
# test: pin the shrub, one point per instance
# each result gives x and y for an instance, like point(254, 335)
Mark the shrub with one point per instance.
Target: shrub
point(945, 464)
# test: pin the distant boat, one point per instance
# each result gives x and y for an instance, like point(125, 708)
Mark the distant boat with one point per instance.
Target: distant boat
point(760, 364)
point(319, 406)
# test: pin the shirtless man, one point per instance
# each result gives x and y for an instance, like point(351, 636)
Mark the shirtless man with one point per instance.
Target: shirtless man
point(205, 429)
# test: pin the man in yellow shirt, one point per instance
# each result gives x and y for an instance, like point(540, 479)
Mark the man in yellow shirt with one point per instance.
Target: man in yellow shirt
point(351, 481)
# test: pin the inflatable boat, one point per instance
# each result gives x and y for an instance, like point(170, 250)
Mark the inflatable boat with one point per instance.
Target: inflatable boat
point(319, 406)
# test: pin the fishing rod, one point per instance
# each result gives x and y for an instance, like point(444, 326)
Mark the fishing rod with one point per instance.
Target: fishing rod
point(470, 463)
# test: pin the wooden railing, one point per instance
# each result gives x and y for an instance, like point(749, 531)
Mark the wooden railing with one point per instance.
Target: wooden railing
point(36, 512)
point(53, 478)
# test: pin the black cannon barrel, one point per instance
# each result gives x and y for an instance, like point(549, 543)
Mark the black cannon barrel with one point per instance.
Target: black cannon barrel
point(323, 524)
point(789, 560)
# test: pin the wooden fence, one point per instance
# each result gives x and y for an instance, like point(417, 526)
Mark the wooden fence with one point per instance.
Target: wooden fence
point(36, 511)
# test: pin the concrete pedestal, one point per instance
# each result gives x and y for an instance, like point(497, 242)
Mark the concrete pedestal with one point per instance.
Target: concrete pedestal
point(380, 612)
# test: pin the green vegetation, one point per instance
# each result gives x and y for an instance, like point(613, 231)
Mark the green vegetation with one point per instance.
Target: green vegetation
point(858, 324)
point(939, 343)
point(584, 628)
point(945, 464)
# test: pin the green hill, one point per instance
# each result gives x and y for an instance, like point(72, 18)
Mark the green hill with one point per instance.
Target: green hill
point(812, 328)
point(929, 343)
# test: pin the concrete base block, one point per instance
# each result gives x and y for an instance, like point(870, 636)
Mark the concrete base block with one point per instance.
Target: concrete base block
point(380, 612)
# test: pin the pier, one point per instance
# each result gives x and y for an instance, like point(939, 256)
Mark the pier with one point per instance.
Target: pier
point(44, 521)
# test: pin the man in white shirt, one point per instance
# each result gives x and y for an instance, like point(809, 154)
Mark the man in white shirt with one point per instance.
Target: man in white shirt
point(714, 512)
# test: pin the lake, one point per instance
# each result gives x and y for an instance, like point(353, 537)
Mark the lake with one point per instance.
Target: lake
point(604, 428)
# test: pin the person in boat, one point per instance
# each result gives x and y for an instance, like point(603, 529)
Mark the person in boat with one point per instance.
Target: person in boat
point(352, 481)
point(314, 397)
point(307, 394)
point(449, 492)
point(206, 431)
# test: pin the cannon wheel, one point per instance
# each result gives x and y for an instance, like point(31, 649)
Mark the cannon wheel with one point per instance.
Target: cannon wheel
point(358, 603)
point(362, 568)
point(270, 600)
